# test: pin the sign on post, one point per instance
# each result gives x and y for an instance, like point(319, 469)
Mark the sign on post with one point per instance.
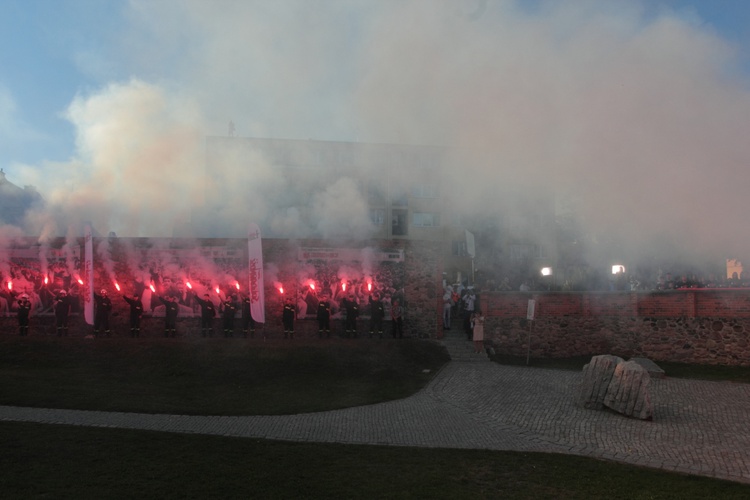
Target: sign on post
point(530, 309)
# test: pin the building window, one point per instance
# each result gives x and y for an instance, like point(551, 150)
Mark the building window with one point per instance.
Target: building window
point(398, 223)
point(459, 248)
point(523, 252)
point(424, 190)
point(377, 216)
point(400, 200)
point(425, 219)
point(375, 194)
point(519, 252)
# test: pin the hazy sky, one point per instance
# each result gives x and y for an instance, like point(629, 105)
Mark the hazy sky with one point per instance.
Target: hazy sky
point(638, 108)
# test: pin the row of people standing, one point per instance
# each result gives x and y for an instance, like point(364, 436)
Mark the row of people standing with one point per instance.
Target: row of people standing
point(103, 308)
point(351, 315)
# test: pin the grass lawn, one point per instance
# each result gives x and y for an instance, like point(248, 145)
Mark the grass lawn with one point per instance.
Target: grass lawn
point(239, 376)
point(212, 376)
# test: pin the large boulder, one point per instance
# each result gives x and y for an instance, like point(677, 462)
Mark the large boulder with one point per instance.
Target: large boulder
point(609, 381)
point(628, 391)
point(597, 376)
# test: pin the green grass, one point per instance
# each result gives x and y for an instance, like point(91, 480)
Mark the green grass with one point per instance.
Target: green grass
point(212, 376)
point(46, 461)
point(239, 376)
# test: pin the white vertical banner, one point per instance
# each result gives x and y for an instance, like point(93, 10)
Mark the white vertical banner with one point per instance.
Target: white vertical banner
point(255, 272)
point(531, 310)
point(88, 275)
point(470, 247)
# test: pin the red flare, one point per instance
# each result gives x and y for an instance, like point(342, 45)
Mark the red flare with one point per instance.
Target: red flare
point(281, 289)
point(117, 285)
point(237, 285)
point(189, 285)
point(369, 287)
point(343, 287)
point(312, 286)
point(80, 281)
point(152, 287)
point(10, 285)
point(46, 280)
point(218, 290)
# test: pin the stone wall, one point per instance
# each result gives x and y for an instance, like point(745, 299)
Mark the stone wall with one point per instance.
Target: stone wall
point(703, 326)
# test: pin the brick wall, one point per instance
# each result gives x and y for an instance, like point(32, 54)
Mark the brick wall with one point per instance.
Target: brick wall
point(692, 326)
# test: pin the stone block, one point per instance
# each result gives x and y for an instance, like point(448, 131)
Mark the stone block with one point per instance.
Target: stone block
point(628, 391)
point(597, 375)
point(652, 368)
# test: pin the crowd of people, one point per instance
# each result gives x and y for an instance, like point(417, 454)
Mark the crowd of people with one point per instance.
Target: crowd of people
point(226, 310)
point(461, 303)
point(624, 281)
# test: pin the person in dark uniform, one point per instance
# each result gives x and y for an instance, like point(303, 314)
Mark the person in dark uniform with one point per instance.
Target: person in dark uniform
point(287, 318)
point(208, 313)
point(248, 323)
point(62, 312)
point(324, 317)
point(24, 311)
point(136, 312)
point(377, 313)
point(352, 313)
point(397, 319)
point(171, 309)
point(101, 318)
point(228, 310)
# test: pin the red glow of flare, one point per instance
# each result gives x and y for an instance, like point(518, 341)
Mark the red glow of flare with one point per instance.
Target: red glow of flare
point(218, 290)
point(189, 285)
point(369, 287)
point(343, 286)
point(281, 289)
point(237, 285)
point(80, 281)
point(117, 285)
point(312, 286)
point(152, 287)
point(10, 285)
point(46, 280)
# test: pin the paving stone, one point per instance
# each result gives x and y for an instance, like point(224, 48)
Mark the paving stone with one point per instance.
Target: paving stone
point(699, 427)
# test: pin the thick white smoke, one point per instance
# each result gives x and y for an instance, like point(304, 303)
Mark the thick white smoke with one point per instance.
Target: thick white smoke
point(636, 115)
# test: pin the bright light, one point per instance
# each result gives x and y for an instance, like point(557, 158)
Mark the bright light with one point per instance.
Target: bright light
point(189, 285)
point(152, 287)
point(117, 286)
point(546, 271)
point(281, 289)
point(10, 285)
point(218, 290)
point(46, 280)
point(80, 281)
point(312, 286)
point(343, 286)
point(369, 287)
point(617, 269)
point(237, 285)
